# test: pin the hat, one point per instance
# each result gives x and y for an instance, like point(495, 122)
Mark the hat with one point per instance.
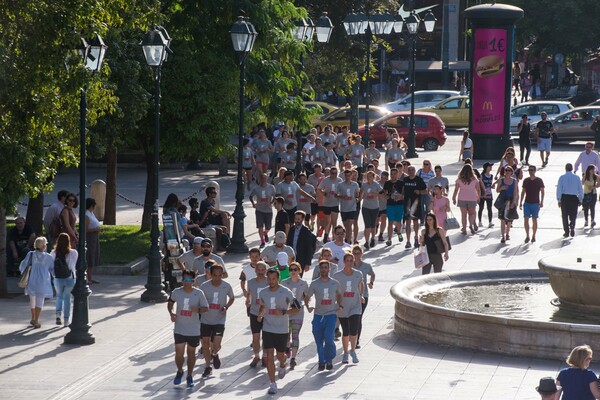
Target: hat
point(198, 240)
point(487, 164)
point(205, 241)
point(282, 258)
point(280, 237)
point(547, 385)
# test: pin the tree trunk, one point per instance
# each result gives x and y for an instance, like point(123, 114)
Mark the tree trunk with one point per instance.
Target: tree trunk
point(148, 200)
point(35, 213)
point(223, 166)
point(110, 204)
point(3, 287)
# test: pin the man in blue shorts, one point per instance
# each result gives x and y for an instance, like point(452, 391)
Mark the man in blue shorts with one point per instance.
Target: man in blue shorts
point(533, 193)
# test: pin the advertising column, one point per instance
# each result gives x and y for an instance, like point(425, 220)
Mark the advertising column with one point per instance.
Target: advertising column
point(491, 59)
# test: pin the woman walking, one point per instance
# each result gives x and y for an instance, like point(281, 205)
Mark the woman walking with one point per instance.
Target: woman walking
point(466, 147)
point(38, 287)
point(298, 288)
point(590, 197)
point(485, 183)
point(433, 238)
point(578, 382)
point(68, 218)
point(65, 260)
point(440, 205)
point(508, 190)
point(92, 239)
point(524, 129)
point(467, 191)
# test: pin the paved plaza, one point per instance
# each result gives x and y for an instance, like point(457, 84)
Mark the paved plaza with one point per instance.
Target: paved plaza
point(133, 354)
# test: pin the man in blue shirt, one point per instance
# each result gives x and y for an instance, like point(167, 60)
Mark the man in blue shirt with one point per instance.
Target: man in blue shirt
point(569, 194)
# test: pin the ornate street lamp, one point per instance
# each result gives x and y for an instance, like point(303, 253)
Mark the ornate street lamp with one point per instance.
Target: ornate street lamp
point(155, 45)
point(243, 36)
point(92, 54)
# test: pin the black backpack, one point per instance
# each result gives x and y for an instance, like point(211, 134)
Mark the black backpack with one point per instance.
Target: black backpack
point(61, 269)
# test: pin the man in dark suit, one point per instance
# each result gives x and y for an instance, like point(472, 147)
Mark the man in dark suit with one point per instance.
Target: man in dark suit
point(303, 241)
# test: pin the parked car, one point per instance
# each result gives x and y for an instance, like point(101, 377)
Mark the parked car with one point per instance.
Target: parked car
point(430, 129)
point(454, 111)
point(575, 124)
point(325, 108)
point(533, 109)
point(341, 116)
point(423, 98)
point(578, 95)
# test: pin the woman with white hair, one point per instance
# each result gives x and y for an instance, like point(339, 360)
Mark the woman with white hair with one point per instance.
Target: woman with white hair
point(38, 286)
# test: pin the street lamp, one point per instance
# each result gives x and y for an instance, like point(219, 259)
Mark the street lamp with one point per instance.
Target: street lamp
point(243, 36)
point(304, 30)
point(92, 53)
point(155, 45)
point(412, 26)
point(361, 24)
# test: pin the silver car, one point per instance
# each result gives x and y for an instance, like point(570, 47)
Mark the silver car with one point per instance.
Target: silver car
point(423, 98)
point(576, 123)
point(533, 109)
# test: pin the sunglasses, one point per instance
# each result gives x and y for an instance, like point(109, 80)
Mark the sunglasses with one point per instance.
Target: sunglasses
point(294, 269)
point(71, 200)
point(188, 280)
point(426, 163)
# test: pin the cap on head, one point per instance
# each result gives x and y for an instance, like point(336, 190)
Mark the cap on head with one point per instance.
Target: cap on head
point(282, 258)
point(280, 237)
point(547, 386)
point(205, 241)
point(198, 240)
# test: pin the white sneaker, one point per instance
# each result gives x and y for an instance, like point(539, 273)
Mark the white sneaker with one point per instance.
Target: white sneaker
point(281, 373)
point(272, 388)
point(491, 225)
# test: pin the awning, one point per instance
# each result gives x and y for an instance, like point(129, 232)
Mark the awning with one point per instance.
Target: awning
point(401, 66)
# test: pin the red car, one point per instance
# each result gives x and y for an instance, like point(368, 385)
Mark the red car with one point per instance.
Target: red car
point(430, 129)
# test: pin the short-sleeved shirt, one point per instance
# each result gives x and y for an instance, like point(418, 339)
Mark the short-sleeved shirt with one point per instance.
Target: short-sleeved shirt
point(357, 152)
point(282, 145)
point(288, 192)
point(348, 193)
point(371, 195)
point(254, 288)
point(317, 155)
point(411, 186)
point(333, 269)
point(426, 176)
point(350, 292)
point(468, 191)
point(442, 181)
point(372, 154)
point(248, 272)
point(532, 188)
point(544, 129)
point(20, 239)
point(281, 220)
point(575, 383)
point(325, 296)
point(213, 257)
point(329, 185)
point(247, 157)
point(288, 159)
point(338, 251)
point(279, 299)
point(217, 297)
point(192, 261)
point(261, 149)
point(299, 290)
point(327, 138)
point(269, 254)
point(395, 155)
point(303, 201)
point(187, 323)
point(343, 143)
point(392, 188)
point(366, 269)
point(264, 197)
point(330, 159)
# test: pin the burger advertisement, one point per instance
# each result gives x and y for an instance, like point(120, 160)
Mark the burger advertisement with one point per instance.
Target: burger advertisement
point(489, 80)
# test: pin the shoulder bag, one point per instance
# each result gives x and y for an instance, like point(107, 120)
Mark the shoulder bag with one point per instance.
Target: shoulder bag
point(451, 222)
point(24, 281)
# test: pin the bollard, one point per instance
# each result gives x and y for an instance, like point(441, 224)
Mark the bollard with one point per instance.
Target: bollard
point(218, 187)
point(98, 193)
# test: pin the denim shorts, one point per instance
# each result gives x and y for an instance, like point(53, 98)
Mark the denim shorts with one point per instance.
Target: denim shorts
point(531, 210)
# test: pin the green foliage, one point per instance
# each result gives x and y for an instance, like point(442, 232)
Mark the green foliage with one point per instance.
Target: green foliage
point(122, 244)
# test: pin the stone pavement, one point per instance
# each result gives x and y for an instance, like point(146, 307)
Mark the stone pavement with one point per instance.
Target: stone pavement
point(133, 354)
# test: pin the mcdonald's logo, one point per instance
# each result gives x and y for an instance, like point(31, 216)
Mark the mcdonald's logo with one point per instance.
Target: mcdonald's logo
point(487, 105)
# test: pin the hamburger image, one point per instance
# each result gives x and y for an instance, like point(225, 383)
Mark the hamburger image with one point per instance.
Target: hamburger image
point(489, 66)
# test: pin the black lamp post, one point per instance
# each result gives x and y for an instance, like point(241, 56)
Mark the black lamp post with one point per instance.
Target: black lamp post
point(304, 31)
point(243, 36)
point(155, 45)
point(412, 26)
point(361, 24)
point(92, 53)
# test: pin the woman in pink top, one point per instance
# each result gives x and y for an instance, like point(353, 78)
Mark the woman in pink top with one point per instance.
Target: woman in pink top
point(440, 205)
point(466, 190)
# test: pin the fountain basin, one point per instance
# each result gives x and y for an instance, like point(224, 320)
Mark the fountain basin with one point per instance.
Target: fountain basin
point(430, 323)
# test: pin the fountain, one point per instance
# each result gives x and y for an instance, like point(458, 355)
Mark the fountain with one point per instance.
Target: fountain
point(427, 309)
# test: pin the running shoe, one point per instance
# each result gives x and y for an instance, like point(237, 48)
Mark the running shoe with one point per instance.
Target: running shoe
point(329, 366)
point(388, 242)
point(272, 388)
point(281, 373)
point(354, 357)
point(372, 244)
point(262, 245)
point(189, 381)
point(366, 245)
point(207, 372)
point(345, 358)
point(266, 236)
point(292, 363)
point(400, 237)
point(407, 245)
point(58, 321)
point(216, 361)
point(254, 362)
point(321, 367)
point(178, 376)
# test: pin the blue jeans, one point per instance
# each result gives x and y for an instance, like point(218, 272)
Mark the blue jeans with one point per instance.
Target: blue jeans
point(425, 199)
point(63, 288)
point(323, 327)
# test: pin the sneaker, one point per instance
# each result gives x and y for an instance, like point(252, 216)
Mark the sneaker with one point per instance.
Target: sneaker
point(272, 388)
point(266, 237)
point(58, 321)
point(66, 323)
point(388, 242)
point(400, 237)
point(281, 373)
point(329, 366)
point(354, 357)
point(491, 225)
point(345, 358)
point(572, 232)
point(372, 243)
point(178, 376)
point(366, 245)
point(292, 363)
point(480, 224)
point(381, 239)
point(407, 246)
point(321, 367)
point(216, 361)
point(593, 224)
point(207, 372)
point(262, 245)
point(254, 362)
point(189, 381)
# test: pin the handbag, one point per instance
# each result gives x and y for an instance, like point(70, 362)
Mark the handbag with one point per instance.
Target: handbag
point(512, 214)
point(439, 245)
point(500, 202)
point(451, 222)
point(421, 257)
point(24, 281)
